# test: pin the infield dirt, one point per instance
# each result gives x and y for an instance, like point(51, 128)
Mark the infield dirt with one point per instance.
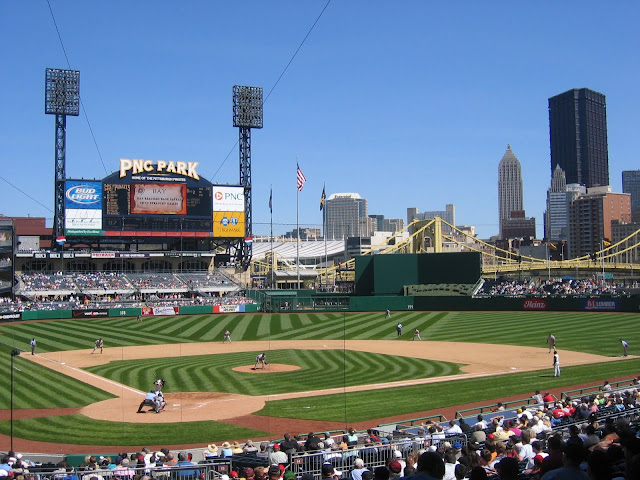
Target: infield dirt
point(479, 359)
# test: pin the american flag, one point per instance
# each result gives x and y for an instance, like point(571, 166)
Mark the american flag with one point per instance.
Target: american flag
point(301, 179)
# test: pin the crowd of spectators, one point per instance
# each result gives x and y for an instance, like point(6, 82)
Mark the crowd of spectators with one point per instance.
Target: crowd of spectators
point(547, 439)
point(156, 281)
point(46, 282)
point(102, 281)
point(553, 287)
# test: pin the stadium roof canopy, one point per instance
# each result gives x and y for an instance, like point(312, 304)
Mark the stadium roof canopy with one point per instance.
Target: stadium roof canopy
point(308, 249)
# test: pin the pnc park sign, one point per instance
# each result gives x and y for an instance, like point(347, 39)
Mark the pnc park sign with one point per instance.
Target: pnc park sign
point(136, 166)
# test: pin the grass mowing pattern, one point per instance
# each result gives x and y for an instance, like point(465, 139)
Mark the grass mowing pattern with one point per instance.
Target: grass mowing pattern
point(407, 400)
point(82, 430)
point(598, 332)
point(318, 369)
point(35, 386)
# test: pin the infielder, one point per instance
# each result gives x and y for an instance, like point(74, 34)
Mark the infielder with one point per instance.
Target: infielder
point(551, 340)
point(556, 364)
point(262, 360)
point(416, 334)
point(625, 347)
point(227, 336)
point(33, 346)
point(99, 344)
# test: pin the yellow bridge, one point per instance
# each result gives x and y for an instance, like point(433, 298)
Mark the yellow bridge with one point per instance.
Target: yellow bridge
point(427, 236)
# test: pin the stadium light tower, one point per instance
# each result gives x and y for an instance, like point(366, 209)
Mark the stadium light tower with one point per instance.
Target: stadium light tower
point(61, 98)
point(247, 114)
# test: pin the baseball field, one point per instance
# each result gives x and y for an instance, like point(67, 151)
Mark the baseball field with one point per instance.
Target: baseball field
point(325, 371)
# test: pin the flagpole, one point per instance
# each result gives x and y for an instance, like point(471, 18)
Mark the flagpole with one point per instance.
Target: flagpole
point(297, 225)
point(271, 233)
point(324, 234)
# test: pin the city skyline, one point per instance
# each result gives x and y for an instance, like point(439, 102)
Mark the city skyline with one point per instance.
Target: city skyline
point(387, 100)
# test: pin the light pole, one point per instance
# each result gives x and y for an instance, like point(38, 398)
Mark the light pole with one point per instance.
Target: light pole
point(14, 353)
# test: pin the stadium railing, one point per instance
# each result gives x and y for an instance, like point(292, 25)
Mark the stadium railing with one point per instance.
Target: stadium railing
point(594, 389)
point(509, 405)
point(200, 471)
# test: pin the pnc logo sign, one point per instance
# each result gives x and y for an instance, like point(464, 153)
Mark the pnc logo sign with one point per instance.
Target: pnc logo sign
point(84, 194)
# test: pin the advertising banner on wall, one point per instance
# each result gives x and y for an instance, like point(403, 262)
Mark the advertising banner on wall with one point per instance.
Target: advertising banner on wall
point(228, 224)
point(83, 207)
point(228, 199)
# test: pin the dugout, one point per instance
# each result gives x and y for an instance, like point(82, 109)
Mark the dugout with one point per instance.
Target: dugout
point(387, 275)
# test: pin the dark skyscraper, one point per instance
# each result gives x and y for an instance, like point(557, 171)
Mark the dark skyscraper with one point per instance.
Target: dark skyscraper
point(578, 134)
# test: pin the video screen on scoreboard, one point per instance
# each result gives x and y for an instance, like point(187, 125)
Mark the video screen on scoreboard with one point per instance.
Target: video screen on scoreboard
point(156, 199)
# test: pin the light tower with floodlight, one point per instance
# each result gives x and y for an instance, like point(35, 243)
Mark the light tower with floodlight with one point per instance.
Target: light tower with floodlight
point(62, 98)
point(247, 114)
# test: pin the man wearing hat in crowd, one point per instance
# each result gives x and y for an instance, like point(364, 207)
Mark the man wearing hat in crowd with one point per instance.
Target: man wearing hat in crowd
point(395, 469)
point(277, 456)
point(274, 473)
point(227, 451)
point(211, 451)
point(248, 473)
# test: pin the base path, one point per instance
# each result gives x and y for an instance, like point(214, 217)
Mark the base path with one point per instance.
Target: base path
point(479, 359)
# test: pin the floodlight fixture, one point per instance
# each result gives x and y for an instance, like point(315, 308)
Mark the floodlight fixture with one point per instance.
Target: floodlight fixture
point(247, 107)
point(62, 92)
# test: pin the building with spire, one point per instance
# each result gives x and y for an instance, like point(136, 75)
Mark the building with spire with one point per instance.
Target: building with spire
point(509, 189)
point(559, 198)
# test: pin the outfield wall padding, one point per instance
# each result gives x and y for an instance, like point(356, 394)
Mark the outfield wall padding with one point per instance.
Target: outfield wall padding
point(380, 304)
point(124, 312)
point(45, 314)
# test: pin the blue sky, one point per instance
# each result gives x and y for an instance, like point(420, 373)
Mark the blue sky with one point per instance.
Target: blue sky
point(409, 103)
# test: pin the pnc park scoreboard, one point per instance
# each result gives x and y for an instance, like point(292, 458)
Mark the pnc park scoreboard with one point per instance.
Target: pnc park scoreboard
point(146, 198)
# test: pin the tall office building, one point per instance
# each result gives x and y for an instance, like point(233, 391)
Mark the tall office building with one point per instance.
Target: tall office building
point(509, 188)
point(346, 216)
point(631, 184)
point(591, 217)
point(578, 136)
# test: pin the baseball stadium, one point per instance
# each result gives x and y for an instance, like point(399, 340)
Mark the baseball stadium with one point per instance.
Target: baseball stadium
point(156, 324)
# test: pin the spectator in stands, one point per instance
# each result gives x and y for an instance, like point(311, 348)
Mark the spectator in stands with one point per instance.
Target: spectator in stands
point(478, 473)
point(460, 471)
point(352, 437)
point(260, 473)
point(430, 467)
point(481, 422)
point(381, 473)
point(122, 470)
point(555, 459)
point(249, 447)
point(453, 429)
point(410, 467)
point(358, 469)
point(312, 442)
point(508, 469)
point(327, 472)
point(274, 473)
point(449, 464)
point(526, 450)
point(278, 456)
point(289, 445)
point(262, 452)
point(573, 456)
point(227, 451)
point(478, 435)
point(395, 469)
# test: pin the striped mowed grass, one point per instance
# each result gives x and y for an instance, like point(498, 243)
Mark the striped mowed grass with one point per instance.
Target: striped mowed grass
point(597, 333)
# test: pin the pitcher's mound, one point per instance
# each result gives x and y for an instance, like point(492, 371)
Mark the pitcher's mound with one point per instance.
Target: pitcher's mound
point(270, 368)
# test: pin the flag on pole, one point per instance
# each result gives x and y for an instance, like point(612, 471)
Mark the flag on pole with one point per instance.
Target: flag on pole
point(606, 243)
point(322, 199)
point(301, 179)
point(552, 246)
point(271, 200)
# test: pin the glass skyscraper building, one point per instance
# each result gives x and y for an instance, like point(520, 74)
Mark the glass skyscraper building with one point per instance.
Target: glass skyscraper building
point(578, 136)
